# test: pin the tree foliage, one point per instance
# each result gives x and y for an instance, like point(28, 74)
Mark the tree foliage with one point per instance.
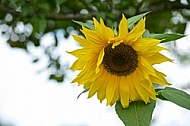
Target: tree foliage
point(25, 22)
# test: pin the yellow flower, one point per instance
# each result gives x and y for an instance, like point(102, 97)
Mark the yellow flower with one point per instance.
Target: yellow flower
point(118, 67)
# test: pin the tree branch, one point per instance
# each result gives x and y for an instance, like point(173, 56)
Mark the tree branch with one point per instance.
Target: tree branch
point(49, 16)
point(61, 16)
point(68, 16)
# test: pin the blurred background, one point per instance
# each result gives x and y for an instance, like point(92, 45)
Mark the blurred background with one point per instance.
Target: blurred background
point(35, 80)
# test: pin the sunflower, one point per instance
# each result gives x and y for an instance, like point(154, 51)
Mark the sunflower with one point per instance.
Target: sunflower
point(118, 67)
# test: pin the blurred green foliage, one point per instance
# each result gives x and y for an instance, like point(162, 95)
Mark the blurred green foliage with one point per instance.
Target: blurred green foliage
point(25, 22)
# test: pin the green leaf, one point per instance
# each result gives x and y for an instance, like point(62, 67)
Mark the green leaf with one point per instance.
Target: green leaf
point(44, 6)
point(26, 9)
point(159, 95)
point(35, 60)
point(176, 96)
point(137, 114)
point(90, 26)
point(42, 24)
point(164, 37)
point(82, 92)
point(115, 31)
point(134, 19)
point(58, 78)
point(59, 2)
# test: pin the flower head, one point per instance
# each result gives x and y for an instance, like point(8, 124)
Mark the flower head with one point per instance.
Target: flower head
point(118, 67)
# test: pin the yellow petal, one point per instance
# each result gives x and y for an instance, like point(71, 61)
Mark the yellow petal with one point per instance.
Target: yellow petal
point(100, 59)
point(101, 93)
point(133, 37)
point(146, 65)
point(134, 96)
point(116, 44)
point(116, 95)
point(78, 65)
point(159, 78)
point(84, 42)
point(79, 53)
point(98, 82)
point(110, 89)
point(136, 32)
point(124, 91)
point(105, 33)
point(139, 27)
point(85, 73)
point(123, 28)
point(143, 93)
point(92, 36)
point(153, 50)
point(147, 85)
point(145, 44)
point(158, 58)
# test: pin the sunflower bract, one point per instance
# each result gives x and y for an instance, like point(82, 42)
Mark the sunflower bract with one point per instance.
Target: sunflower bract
point(118, 67)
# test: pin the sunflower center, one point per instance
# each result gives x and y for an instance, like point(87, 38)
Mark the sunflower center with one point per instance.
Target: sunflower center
point(121, 61)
